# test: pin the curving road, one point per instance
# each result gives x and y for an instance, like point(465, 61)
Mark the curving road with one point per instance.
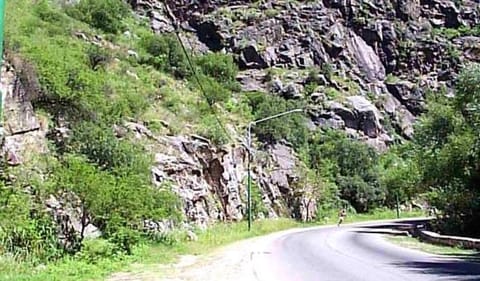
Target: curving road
point(354, 253)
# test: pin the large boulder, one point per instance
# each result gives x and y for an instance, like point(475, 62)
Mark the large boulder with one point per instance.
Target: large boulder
point(71, 222)
point(367, 116)
point(359, 114)
point(24, 133)
point(408, 94)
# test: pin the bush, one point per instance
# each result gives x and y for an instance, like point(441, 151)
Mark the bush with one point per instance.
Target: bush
point(125, 239)
point(215, 92)
point(165, 53)
point(107, 15)
point(97, 57)
point(352, 165)
point(116, 204)
point(26, 232)
point(47, 13)
point(98, 143)
point(210, 128)
point(361, 195)
point(290, 127)
point(258, 207)
point(94, 250)
point(220, 67)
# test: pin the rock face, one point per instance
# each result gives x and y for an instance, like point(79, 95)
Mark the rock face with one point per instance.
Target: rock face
point(23, 132)
point(24, 136)
point(70, 220)
point(362, 43)
point(212, 181)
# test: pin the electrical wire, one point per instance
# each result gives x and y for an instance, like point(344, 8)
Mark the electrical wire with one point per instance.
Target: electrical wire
point(197, 79)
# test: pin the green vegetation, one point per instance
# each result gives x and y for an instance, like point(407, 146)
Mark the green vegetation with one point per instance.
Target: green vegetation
point(91, 87)
point(107, 15)
point(415, 244)
point(446, 146)
point(291, 127)
point(92, 74)
point(452, 33)
point(95, 261)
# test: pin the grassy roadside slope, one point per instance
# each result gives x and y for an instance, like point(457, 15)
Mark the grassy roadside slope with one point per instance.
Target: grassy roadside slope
point(77, 269)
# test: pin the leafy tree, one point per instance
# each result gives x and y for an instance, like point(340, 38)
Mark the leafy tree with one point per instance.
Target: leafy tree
point(352, 165)
point(116, 204)
point(446, 145)
point(398, 176)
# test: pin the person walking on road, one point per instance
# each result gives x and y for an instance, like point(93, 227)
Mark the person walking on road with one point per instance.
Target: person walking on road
point(341, 216)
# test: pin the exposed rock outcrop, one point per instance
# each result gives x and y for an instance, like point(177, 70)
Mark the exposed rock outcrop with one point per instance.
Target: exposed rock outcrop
point(212, 181)
point(24, 133)
point(360, 42)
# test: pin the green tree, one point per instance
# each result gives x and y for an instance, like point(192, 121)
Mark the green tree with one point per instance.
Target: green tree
point(116, 204)
point(352, 165)
point(447, 154)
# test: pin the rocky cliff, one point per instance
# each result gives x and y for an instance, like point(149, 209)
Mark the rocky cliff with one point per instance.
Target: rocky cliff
point(381, 55)
point(211, 180)
point(362, 66)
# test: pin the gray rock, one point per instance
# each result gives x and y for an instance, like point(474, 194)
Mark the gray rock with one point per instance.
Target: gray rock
point(292, 91)
point(67, 213)
point(250, 58)
point(367, 116)
point(408, 94)
point(366, 58)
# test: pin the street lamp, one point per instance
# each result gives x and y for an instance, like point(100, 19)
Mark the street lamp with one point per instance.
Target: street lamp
point(249, 148)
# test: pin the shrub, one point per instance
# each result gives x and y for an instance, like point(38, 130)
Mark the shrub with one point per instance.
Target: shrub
point(210, 128)
point(118, 204)
point(290, 127)
point(214, 91)
point(94, 250)
point(97, 57)
point(107, 15)
point(220, 67)
point(47, 13)
point(98, 143)
point(165, 53)
point(25, 230)
point(124, 239)
point(361, 195)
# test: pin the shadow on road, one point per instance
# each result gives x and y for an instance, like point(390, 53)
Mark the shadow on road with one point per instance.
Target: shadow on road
point(460, 269)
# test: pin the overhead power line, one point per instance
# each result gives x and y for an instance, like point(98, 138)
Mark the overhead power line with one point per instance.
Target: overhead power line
point(194, 72)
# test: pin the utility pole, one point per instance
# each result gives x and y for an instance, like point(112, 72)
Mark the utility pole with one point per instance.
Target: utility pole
point(2, 24)
point(249, 151)
point(398, 205)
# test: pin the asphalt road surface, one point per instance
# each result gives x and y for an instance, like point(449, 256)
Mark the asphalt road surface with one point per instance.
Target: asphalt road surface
point(354, 253)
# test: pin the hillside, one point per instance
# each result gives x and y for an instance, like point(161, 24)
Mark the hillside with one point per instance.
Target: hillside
point(126, 120)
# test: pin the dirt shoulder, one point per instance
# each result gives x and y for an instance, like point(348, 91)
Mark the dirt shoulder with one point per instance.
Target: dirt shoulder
point(232, 262)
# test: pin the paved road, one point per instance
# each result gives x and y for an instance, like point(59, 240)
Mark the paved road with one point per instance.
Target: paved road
point(354, 253)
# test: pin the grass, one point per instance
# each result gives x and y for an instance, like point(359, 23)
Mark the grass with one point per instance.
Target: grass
point(415, 244)
point(144, 257)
